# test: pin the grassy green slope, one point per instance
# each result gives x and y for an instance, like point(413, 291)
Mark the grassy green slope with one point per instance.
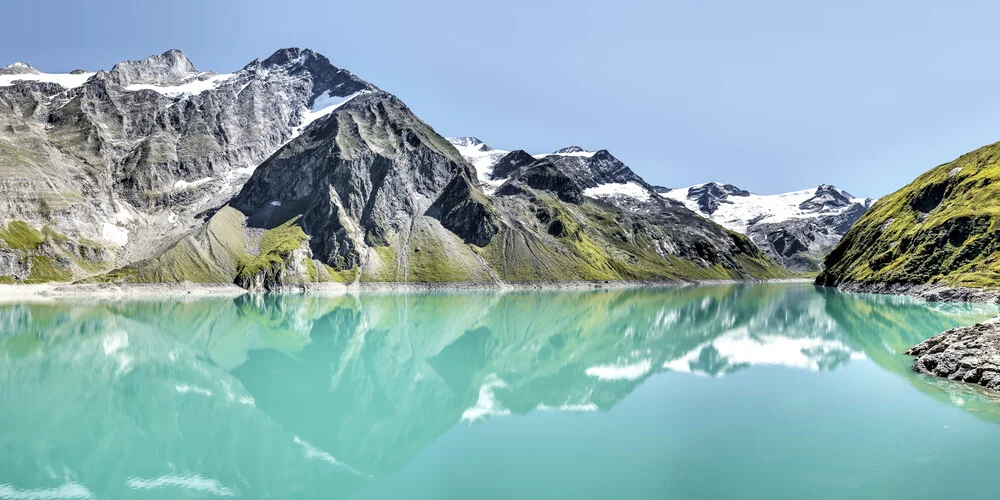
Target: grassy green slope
point(941, 228)
point(224, 251)
point(590, 244)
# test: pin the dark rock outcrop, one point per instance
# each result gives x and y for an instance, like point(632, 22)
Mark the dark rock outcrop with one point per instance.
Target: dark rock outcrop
point(465, 211)
point(543, 175)
point(511, 163)
point(968, 354)
point(709, 196)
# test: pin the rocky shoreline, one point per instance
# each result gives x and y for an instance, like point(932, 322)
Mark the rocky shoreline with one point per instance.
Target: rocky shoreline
point(56, 291)
point(969, 354)
point(930, 293)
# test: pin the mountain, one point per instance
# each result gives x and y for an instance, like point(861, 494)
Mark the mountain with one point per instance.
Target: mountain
point(797, 229)
point(291, 171)
point(939, 229)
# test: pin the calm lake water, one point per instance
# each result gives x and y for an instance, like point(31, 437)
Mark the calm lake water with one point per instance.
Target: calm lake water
point(721, 392)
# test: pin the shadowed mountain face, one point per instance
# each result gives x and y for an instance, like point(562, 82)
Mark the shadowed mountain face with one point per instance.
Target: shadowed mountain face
point(120, 398)
point(158, 171)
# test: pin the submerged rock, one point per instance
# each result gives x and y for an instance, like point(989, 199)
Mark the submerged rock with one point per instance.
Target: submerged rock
point(968, 354)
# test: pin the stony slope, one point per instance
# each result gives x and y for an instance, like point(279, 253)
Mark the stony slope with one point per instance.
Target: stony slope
point(939, 229)
point(797, 228)
point(122, 163)
point(146, 170)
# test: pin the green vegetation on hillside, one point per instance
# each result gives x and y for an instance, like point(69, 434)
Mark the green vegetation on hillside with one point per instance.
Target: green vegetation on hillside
point(941, 228)
point(40, 256)
point(273, 250)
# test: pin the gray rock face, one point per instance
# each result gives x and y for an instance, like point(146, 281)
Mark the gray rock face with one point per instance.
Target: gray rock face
point(930, 293)
point(827, 197)
point(134, 164)
point(545, 176)
point(357, 178)
point(797, 229)
point(592, 171)
point(969, 354)
point(511, 163)
point(170, 68)
point(709, 196)
point(134, 156)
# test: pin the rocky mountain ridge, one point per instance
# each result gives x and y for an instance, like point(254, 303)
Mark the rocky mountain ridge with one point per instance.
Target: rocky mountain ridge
point(291, 171)
point(797, 228)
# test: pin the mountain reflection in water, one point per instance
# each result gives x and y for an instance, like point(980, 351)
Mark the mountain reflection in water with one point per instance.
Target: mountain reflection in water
point(293, 395)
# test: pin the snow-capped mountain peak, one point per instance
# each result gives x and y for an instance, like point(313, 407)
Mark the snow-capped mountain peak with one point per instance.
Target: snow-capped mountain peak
point(796, 228)
point(469, 142)
point(481, 156)
point(19, 68)
point(569, 151)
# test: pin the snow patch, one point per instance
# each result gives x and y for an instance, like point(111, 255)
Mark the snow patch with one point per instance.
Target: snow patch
point(629, 189)
point(182, 184)
point(581, 154)
point(275, 203)
point(195, 85)
point(66, 80)
point(323, 106)
point(482, 157)
point(115, 234)
point(632, 371)
point(736, 212)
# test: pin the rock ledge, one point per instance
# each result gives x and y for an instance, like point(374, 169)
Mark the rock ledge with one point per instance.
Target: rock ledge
point(968, 354)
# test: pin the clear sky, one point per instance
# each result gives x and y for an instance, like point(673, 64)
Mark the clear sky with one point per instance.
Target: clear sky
point(768, 95)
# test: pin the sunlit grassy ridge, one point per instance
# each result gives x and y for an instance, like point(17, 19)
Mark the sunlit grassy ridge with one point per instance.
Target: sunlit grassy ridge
point(941, 228)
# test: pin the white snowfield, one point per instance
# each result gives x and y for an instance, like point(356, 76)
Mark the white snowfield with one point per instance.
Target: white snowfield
point(737, 211)
point(583, 154)
point(324, 105)
point(628, 189)
point(66, 80)
point(482, 157)
point(195, 84)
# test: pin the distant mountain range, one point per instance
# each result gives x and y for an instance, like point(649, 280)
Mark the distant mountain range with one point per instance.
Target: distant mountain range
point(292, 171)
point(797, 229)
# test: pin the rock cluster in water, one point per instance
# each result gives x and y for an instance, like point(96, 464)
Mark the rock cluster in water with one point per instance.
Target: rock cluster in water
point(968, 354)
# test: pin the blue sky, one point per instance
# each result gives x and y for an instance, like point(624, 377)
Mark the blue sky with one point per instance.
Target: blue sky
point(769, 95)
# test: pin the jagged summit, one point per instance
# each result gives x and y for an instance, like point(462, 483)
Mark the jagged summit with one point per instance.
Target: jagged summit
point(161, 172)
point(827, 197)
point(169, 68)
point(796, 228)
point(469, 142)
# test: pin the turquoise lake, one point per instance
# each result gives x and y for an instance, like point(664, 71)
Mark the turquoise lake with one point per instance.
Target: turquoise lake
point(767, 391)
